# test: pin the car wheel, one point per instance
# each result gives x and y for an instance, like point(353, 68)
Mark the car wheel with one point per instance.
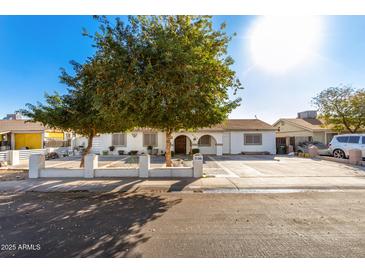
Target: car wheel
point(338, 153)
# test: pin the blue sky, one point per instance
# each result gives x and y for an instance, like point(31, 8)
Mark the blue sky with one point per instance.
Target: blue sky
point(33, 48)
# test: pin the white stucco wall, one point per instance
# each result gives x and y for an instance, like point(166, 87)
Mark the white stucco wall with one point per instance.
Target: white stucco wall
point(226, 142)
point(209, 149)
point(233, 142)
point(238, 146)
point(104, 141)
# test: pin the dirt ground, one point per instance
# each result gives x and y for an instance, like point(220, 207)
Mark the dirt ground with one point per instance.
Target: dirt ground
point(82, 224)
point(12, 175)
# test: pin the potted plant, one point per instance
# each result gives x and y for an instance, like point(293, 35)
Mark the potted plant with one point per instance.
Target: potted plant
point(120, 152)
point(111, 148)
point(149, 149)
point(105, 152)
point(195, 150)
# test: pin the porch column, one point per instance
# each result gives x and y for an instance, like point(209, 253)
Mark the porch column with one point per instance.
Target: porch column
point(219, 149)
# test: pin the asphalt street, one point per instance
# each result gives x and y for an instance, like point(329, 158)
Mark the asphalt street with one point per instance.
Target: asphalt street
point(279, 224)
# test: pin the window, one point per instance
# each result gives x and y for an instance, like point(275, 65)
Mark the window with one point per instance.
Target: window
point(354, 139)
point(342, 139)
point(363, 140)
point(150, 139)
point(119, 139)
point(253, 139)
point(310, 139)
point(205, 141)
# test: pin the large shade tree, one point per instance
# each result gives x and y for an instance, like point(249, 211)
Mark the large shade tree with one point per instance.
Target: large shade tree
point(79, 110)
point(342, 108)
point(179, 68)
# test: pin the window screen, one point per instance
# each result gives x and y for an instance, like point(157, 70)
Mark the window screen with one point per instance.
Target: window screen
point(253, 139)
point(150, 139)
point(119, 139)
point(205, 140)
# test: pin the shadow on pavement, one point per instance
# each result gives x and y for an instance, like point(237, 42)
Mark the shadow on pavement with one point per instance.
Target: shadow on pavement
point(77, 224)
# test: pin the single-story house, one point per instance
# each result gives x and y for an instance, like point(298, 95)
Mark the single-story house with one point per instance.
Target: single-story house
point(20, 134)
point(234, 136)
point(306, 127)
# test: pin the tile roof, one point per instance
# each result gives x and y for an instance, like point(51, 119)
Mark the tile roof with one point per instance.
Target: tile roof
point(231, 124)
point(241, 124)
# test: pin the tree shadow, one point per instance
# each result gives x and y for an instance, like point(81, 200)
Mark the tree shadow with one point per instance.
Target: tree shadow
point(78, 224)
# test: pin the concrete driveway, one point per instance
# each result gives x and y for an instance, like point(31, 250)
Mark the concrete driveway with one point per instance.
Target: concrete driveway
point(242, 166)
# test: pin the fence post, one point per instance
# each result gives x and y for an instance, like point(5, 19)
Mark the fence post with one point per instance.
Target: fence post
point(36, 163)
point(219, 148)
point(198, 165)
point(14, 157)
point(91, 163)
point(144, 165)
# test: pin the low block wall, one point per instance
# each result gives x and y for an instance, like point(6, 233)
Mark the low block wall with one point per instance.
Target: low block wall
point(339, 160)
point(61, 173)
point(171, 172)
point(37, 169)
point(117, 172)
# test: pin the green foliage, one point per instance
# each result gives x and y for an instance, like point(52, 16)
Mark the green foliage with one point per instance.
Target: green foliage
point(174, 70)
point(77, 110)
point(195, 150)
point(342, 108)
point(80, 110)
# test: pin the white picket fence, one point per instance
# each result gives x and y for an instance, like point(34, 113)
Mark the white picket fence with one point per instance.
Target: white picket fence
point(25, 154)
point(4, 156)
point(14, 157)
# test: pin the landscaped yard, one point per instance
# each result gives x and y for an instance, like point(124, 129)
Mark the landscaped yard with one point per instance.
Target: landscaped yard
point(11, 175)
point(231, 165)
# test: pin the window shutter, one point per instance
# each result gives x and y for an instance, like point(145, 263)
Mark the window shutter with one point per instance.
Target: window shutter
point(253, 139)
point(119, 139)
point(150, 139)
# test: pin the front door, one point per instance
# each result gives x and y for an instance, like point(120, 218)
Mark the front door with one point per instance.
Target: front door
point(180, 145)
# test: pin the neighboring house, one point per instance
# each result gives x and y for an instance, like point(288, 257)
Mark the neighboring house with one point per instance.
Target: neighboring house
point(231, 137)
point(20, 134)
point(306, 127)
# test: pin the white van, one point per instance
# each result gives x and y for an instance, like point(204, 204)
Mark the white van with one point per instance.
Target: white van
point(341, 144)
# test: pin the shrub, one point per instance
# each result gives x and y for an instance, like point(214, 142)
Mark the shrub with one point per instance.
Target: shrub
point(105, 152)
point(195, 150)
point(120, 152)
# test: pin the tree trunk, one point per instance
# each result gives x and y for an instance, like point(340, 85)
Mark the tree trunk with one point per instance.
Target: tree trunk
point(168, 148)
point(87, 149)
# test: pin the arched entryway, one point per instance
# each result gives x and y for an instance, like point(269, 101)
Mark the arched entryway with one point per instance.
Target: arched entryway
point(182, 144)
point(207, 144)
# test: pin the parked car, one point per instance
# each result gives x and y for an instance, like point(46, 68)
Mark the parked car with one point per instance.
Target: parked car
point(341, 144)
point(304, 148)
